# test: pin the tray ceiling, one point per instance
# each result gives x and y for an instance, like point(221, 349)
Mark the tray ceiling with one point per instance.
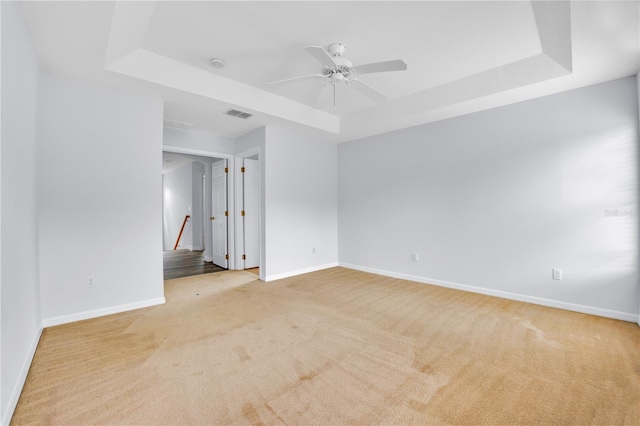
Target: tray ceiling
point(462, 56)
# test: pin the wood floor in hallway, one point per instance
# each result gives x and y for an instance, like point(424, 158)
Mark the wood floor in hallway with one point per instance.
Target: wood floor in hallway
point(185, 263)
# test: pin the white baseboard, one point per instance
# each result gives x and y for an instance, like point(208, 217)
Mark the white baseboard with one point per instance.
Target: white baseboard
point(607, 313)
point(300, 271)
point(22, 377)
point(65, 319)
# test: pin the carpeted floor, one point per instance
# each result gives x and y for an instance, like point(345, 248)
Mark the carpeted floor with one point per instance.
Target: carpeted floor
point(334, 347)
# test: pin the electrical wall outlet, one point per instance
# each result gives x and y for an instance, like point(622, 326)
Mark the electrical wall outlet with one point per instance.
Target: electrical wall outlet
point(415, 257)
point(557, 274)
point(313, 250)
point(91, 281)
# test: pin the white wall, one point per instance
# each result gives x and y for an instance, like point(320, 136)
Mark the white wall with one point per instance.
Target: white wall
point(197, 140)
point(298, 199)
point(300, 184)
point(254, 139)
point(495, 200)
point(197, 170)
point(177, 203)
point(20, 306)
point(100, 195)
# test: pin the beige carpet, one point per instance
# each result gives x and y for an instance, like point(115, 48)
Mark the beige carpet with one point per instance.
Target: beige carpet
point(334, 347)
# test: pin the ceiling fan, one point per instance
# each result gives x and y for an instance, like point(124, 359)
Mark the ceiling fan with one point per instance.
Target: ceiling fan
point(337, 69)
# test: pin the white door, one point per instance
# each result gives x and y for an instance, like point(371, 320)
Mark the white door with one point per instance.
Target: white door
point(219, 213)
point(251, 208)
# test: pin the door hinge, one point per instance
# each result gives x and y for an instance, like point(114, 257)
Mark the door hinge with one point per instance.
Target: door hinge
point(226, 170)
point(226, 213)
point(242, 169)
point(226, 256)
point(244, 257)
point(242, 213)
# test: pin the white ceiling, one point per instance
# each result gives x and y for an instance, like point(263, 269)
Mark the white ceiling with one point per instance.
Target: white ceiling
point(462, 56)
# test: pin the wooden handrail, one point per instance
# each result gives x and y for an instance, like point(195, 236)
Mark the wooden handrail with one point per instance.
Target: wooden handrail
point(186, 219)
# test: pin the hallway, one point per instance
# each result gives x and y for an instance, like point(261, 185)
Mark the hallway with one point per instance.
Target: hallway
point(184, 263)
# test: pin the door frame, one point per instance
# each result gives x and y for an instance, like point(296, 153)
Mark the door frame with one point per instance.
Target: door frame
point(231, 226)
point(239, 229)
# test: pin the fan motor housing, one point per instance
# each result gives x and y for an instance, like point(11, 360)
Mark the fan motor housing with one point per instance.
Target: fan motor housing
point(336, 49)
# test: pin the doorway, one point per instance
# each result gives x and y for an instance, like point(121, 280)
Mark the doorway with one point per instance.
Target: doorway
point(191, 243)
point(250, 211)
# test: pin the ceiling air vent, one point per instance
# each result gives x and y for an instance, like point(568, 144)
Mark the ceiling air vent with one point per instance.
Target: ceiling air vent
point(239, 114)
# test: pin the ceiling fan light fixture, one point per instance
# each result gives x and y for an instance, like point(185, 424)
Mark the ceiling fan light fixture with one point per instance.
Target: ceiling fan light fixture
point(217, 63)
point(337, 77)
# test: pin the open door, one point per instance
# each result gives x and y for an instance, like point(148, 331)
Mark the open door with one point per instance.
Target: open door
point(251, 213)
point(219, 213)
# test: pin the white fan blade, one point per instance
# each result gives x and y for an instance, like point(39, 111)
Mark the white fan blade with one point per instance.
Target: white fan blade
point(367, 90)
point(323, 97)
point(303, 77)
point(397, 65)
point(321, 56)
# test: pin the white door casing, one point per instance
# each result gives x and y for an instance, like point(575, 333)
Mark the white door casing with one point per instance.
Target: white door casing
point(219, 212)
point(251, 208)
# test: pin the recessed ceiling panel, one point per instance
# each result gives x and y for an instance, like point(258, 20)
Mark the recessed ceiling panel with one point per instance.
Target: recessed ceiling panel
point(264, 41)
point(462, 56)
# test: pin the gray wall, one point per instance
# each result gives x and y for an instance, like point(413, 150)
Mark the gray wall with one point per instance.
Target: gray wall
point(177, 186)
point(299, 201)
point(20, 294)
point(100, 200)
point(183, 195)
point(493, 201)
point(301, 209)
point(198, 140)
point(197, 201)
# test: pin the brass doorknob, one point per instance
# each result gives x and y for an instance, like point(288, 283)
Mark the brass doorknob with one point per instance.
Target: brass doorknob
point(212, 218)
